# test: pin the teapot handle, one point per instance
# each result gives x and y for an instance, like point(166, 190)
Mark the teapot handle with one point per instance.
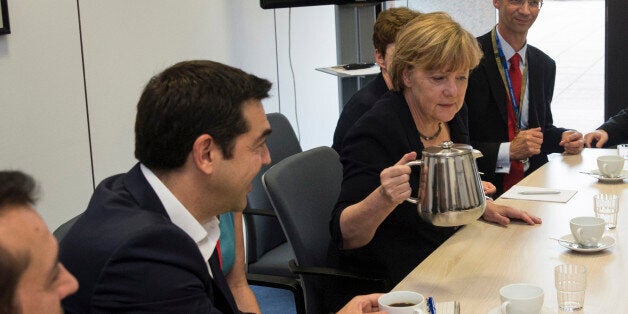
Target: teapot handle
point(411, 199)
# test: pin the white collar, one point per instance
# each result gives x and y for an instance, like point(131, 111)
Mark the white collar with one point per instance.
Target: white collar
point(205, 235)
point(509, 51)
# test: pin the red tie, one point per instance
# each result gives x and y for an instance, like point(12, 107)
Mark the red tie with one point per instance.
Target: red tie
point(219, 253)
point(516, 167)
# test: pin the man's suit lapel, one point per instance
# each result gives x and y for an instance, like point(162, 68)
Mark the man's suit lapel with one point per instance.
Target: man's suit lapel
point(495, 82)
point(223, 299)
point(216, 288)
point(142, 192)
point(533, 87)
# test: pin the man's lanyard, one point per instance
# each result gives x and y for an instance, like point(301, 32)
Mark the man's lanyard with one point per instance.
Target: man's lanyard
point(502, 65)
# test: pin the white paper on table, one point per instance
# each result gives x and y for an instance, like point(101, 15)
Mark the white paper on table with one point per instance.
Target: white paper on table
point(563, 197)
point(448, 307)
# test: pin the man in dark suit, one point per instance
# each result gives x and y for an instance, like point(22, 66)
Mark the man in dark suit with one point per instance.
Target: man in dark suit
point(612, 132)
point(148, 241)
point(515, 137)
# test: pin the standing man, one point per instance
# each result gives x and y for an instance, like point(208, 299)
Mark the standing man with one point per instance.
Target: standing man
point(509, 97)
point(32, 280)
point(148, 241)
point(385, 30)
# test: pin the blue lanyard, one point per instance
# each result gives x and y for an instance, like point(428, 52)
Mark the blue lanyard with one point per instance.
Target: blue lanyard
point(503, 66)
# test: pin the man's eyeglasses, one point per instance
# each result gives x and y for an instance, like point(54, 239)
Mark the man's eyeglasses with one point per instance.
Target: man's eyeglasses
point(537, 4)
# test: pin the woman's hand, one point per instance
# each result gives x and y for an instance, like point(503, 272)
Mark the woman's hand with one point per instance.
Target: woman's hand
point(395, 180)
point(489, 188)
point(501, 214)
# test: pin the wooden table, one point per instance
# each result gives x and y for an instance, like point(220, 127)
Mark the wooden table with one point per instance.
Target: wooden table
point(482, 257)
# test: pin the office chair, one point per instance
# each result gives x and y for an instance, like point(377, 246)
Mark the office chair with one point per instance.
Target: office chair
point(267, 250)
point(65, 227)
point(304, 189)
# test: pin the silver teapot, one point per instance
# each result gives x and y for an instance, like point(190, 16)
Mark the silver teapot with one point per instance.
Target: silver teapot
point(450, 189)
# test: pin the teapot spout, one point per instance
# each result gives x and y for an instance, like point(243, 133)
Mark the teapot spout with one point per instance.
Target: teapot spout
point(476, 153)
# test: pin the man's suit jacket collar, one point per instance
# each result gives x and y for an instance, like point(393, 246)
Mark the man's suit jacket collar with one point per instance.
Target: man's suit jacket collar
point(147, 199)
point(497, 86)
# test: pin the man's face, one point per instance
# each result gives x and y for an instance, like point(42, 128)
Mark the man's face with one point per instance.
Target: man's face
point(249, 154)
point(45, 282)
point(516, 18)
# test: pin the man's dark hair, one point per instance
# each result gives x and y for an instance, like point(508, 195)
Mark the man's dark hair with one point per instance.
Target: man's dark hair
point(189, 99)
point(16, 188)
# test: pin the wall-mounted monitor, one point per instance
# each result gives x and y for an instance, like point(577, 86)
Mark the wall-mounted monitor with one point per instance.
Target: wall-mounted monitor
point(4, 18)
point(274, 4)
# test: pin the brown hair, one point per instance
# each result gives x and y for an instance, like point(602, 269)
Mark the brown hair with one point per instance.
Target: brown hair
point(433, 41)
point(187, 100)
point(388, 24)
point(16, 188)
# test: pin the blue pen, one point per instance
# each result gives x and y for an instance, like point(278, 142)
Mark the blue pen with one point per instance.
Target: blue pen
point(430, 305)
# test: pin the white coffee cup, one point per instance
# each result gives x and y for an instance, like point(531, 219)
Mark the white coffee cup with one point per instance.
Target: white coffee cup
point(587, 231)
point(402, 302)
point(610, 166)
point(521, 298)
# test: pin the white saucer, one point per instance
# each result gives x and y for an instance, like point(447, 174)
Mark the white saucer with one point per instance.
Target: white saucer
point(603, 179)
point(544, 310)
point(604, 244)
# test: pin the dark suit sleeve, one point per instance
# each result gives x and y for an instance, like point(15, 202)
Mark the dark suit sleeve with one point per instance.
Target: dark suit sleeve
point(156, 271)
point(552, 135)
point(486, 127)
point(617, 128)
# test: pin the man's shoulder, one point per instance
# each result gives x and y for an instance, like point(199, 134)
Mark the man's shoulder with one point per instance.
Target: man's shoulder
point(537, 53)
point(368, 95)
point(114, 216)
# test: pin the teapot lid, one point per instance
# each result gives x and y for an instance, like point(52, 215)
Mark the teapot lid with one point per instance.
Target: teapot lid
point(448, 149)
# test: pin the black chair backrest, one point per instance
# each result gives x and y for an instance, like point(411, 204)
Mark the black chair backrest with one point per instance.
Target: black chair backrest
point(304, 189)
point(62, 230)
point(264, 233)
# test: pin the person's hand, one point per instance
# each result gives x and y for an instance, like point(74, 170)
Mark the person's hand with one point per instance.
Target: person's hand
point(526, 143)
point(600, 136)
point(501, 214)
point(489, 188)
point(395, 185)
point(572, 142)
point(362, 304)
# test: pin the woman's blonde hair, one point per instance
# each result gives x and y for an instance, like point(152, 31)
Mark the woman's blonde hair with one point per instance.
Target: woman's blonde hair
point(433, 41)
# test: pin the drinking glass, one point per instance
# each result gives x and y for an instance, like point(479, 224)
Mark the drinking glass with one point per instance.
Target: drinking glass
point(622, 150)
point(606, 207)
point(571, 282)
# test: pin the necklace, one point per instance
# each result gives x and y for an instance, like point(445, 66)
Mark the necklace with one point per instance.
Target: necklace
point(429, 138)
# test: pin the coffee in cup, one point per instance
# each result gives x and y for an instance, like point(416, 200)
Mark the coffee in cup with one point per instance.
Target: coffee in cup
point(587, 231)
point(402, 302)
point(610, 166)
point(521, 298)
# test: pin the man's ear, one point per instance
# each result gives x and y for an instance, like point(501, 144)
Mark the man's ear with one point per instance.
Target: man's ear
point(379, 59)
point(205, 152)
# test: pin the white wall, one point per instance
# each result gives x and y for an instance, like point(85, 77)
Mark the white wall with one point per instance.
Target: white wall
point(476, 16)
point(43, 122)
point(43, 107)
point(127, 42)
